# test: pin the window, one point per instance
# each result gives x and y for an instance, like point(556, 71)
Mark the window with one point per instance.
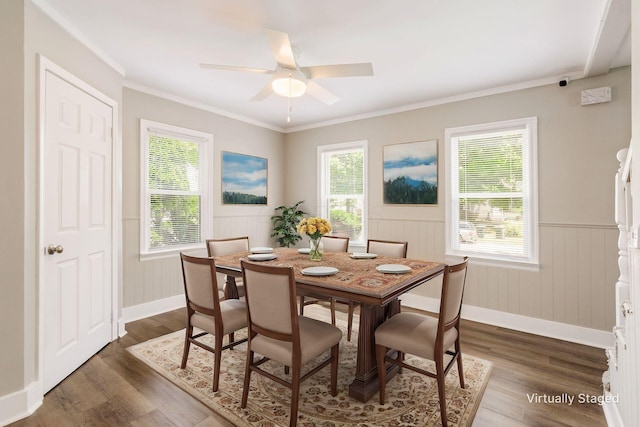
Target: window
point(175, 202)
point(342, 188)
point(492, 204)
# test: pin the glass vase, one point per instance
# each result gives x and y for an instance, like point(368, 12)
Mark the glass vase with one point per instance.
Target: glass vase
point(315, 249)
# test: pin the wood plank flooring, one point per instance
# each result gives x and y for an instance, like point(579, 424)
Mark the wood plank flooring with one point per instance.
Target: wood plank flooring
point(115, 389)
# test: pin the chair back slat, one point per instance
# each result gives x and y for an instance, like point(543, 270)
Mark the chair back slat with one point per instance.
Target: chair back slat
point(270, 297)
point(219, 247)
point(452, 293)
point(335, 243)
point(200, 285)
point(387, 248)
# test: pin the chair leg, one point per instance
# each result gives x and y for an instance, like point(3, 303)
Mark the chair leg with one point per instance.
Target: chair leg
point(441, 392)
point(295, 395)
point(301, 305)
point(247, 379)
point(231, 339)
point(459, 356)
point(187, 345)
point(352, 307)
point(381, 351)
point(334, 369)
point(333, 311)
point(217, 351)
point(400, 358)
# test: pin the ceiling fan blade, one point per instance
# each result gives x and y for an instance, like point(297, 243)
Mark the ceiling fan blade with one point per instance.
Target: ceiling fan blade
point(338, 70)
point(281, 47)
point(263, 94)
point(321, 94)
point(232, 68)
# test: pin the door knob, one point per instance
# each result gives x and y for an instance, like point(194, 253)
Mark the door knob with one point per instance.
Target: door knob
point(52, 249)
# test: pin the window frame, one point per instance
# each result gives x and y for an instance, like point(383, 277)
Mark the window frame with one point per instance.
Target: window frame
point(529, 196)
point(205, 149)
point(323, 205)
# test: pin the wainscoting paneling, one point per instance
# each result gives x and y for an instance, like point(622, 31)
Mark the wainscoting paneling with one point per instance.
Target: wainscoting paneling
point(575, 283)
point(257, 227)
point(157, 279)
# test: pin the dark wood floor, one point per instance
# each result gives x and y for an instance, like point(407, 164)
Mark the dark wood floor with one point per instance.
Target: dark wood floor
point(115, 389)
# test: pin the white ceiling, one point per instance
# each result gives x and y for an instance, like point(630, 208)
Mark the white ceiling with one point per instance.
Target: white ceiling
point(422, 51)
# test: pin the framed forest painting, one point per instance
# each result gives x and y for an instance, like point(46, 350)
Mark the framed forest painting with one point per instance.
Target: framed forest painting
point(244, 179)
point(410, 173)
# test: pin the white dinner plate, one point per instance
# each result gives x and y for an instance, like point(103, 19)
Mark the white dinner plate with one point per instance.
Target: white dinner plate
point(262, 257)
point(363, 255)
point(319, 271)
point(393, 268)
point(261, 250)
point(304, 250)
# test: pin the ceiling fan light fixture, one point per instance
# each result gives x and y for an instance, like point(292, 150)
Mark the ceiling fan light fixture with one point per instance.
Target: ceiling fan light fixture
point(289, 83)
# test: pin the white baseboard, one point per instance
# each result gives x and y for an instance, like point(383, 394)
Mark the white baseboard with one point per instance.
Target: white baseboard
point(546, 328)
point(532, 325)
point(140, 311)
point(20, 404)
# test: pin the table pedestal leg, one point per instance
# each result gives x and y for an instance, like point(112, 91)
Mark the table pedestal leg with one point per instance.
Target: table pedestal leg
point(231, 290)
point(365, 384)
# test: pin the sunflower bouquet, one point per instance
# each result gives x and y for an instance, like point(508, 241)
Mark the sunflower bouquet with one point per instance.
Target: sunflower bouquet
point(315, 228)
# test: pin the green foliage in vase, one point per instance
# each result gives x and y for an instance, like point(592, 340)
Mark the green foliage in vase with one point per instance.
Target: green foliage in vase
point(284, 224)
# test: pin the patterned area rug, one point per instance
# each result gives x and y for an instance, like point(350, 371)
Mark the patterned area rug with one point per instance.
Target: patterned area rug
point(412, 399)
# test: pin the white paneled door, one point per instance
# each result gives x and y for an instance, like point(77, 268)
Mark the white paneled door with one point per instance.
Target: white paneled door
point(77, 260)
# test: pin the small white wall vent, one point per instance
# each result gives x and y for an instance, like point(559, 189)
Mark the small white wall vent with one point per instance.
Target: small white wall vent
point(595, 96)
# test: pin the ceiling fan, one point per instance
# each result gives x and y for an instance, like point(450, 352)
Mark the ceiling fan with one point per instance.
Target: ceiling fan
point(290, 80)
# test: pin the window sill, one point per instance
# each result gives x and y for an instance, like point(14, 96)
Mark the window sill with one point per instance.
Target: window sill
point(480, 259)
point(198, 250)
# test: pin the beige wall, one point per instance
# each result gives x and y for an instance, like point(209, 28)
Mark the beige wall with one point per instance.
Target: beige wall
point(11, 172)
point(150, 280)
point(577, 161)
point(27, 32)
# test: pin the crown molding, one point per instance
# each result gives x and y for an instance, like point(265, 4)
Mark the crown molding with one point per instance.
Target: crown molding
point(78, 35)
point(171, 97)
point(440, 101)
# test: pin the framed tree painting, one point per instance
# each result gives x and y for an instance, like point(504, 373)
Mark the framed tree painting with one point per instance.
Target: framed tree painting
point(244, 179)
point(410, 173)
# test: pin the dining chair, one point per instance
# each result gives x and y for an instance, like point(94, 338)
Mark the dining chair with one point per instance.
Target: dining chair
point(278, 333)
point(335, 243)
point(219, 247)
point(426, 336)
point(332, 244)
point(387, 248)
point(207, 312)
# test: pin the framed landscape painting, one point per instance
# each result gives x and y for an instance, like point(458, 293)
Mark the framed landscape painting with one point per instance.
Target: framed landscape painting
point(410, 173)
point(244, 179)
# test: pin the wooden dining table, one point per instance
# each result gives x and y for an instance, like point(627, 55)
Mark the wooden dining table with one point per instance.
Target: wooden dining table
point(357, 280)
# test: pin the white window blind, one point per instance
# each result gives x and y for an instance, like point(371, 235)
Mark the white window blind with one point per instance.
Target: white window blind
point(492, 195)
point(174, 194)
point(342, 189)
